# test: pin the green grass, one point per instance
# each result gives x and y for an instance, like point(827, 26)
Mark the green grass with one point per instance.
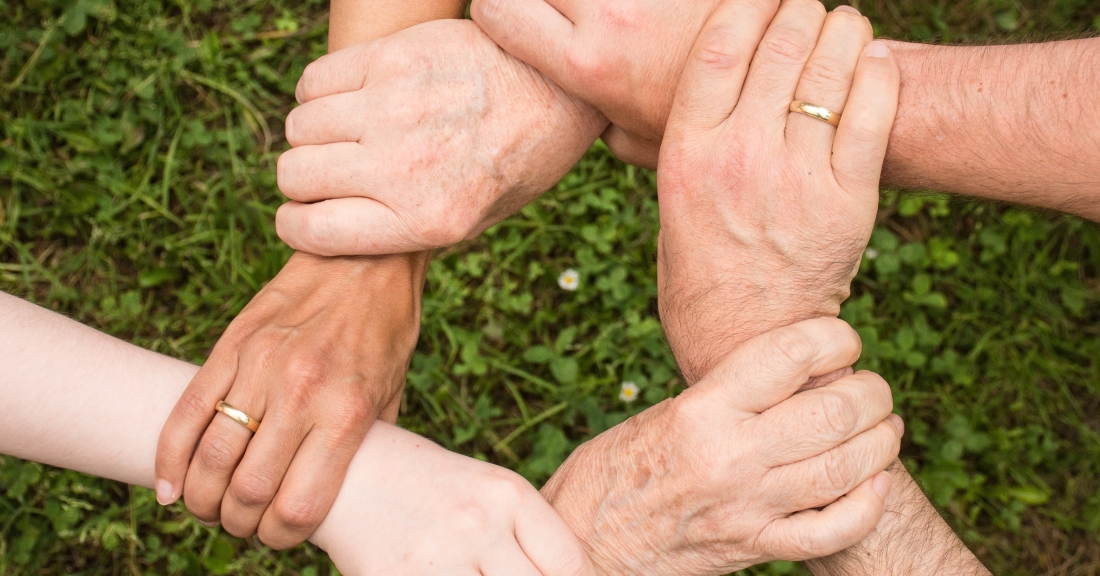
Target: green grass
point(137, 189)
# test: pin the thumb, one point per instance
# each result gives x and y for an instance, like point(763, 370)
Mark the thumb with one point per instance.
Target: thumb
point(769, 368)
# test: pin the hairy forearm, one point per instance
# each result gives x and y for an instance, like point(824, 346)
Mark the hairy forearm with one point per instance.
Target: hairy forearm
point(1013, 123)
point(911, 539)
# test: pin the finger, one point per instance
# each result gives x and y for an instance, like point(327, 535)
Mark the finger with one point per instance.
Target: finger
point(815, 421)
point(779, 62)
point(190, 417)
point(532, 31)
point(828, 78)
point(769, 368)
point(716, 68)
point(312, 173)
point(547, 540)
point(354, 227)
point(345, 70)
point(311, 484)
point(842, 524)
point(335, 118)
point(256, 479)
point(630, 148)
point(860, 144)
point(219, 451)
point(822, 479)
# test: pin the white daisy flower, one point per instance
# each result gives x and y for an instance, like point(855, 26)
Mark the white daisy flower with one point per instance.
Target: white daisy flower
point(569, 280)
point(870, 254)
point(628, 392)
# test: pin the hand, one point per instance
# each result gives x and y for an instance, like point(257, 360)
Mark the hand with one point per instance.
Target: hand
point(765, 213)
point(316, 356)
point(622, 56)
point(420, 140)
point(729, 473)
point(411, 507)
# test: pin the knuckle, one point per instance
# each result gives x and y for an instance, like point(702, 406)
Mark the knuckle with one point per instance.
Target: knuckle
point(834, 475)
point(298, 513)
point(315, 227)
point(252, 489)
point(794, 346)
point(216, 454)
point(838, 414)
point(194, 405)
point(489, 13)
point(510, 488)
point(718, 49)
point(588, 67)
point(878, 387)
point(827, 71)
point(786, 46)
point(472, 517)
point(306, 370)
point(303, 90)
point(863, 132)
point(446, 227)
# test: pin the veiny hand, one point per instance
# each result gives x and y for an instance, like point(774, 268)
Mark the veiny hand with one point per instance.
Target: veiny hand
point(765, 213)
point(411, 507)
point(622, 56)
point(730, 473)
point(420, 140)
point(316, 356)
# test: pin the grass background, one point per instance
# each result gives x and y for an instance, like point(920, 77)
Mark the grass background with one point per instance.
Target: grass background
point(137, 148)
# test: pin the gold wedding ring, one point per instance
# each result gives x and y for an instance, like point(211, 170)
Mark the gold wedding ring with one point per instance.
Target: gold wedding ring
point(815, 111)
point(238, 416)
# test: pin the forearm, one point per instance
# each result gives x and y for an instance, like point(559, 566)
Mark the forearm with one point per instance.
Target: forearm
point(911, 539)
point(355, 21)
point(76, 398)
point(1012, 123)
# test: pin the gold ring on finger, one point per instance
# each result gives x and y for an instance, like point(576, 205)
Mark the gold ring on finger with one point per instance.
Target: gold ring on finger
point(238, 416)
point(816, 112)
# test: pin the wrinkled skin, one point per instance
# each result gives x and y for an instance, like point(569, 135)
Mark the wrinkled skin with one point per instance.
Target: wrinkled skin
point(764, 216)
point(765, 213)
point(420, 140)
point(730, 473)
point(622, 56)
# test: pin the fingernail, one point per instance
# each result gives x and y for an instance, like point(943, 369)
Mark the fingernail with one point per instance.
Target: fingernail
point(877, 49)
point(897, 422)
point(881, 484)
point(166, 494)
point(846, 9)
point(215, 523)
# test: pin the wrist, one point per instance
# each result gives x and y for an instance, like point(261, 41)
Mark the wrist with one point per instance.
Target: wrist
point(911, 539)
